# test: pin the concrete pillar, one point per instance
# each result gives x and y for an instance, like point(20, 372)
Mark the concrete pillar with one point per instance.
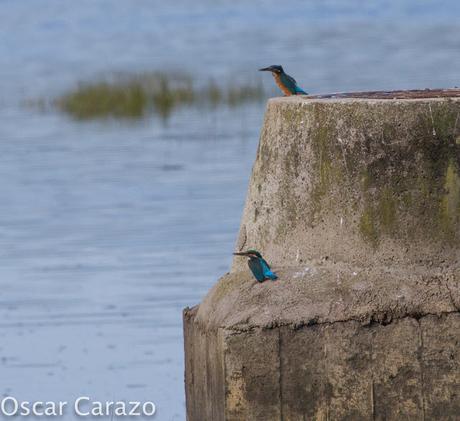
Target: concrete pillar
point(356, 203)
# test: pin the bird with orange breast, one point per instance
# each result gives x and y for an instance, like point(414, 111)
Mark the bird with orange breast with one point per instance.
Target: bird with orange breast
point(286, 83)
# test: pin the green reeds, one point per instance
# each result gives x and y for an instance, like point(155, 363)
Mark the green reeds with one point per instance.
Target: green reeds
point(104, 100)
point(134, 97)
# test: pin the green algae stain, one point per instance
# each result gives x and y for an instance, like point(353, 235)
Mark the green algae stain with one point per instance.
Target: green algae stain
point(388, 132)
point(379, 214)
point(324, 166)
point(439, 123)
point(406, 188)
point(367, 225)
point(365, 180)
point(450, 202)
point(443, 120)
point(325, 174)
point(406, 199)
point(292, 116)
point(387, 210)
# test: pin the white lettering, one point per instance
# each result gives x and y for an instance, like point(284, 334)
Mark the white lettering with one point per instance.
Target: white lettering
point(77, 406)
point(83, 406)
point(97, 409)
point(50, 408)
point(25, 410)
point(135, 406)
point(62, 405)
point(35, 408)
point(120, 408)
point(150, 405)
point(4, 408)
point(108, 408)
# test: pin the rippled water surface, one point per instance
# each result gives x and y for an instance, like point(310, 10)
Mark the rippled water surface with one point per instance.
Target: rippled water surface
point(109, 228)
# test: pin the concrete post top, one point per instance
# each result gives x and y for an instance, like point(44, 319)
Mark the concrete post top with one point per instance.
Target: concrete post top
point(362, 180)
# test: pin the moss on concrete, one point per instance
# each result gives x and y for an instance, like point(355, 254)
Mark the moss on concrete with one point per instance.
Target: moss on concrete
point(354, 172)
point(367, 225)
point(394, 180)
point(325, 164)
point(387, 210)
point(450, 202)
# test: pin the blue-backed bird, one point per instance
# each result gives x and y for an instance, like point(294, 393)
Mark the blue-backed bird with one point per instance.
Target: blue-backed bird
point(259, 267)
point(286, 83)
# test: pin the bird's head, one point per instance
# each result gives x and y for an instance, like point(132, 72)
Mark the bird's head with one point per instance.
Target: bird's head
point(274, 69)
point(249, 253)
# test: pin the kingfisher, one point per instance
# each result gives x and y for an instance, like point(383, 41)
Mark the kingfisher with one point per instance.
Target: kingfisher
point(259, 267)
point(286, 83)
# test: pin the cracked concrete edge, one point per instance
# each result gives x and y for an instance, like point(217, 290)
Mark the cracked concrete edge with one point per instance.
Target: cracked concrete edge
point(328, 294)
point(379, 319)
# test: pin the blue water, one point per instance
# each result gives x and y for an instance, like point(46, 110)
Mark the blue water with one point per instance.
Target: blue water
point(108, 229)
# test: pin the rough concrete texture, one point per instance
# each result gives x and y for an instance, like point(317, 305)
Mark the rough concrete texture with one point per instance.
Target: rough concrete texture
point(356, 202)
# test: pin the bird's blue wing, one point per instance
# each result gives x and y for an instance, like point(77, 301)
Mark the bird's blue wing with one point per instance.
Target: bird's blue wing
point(291, 84)
point(257, 269)
point(290, 79)
point(267, 271)
point(300, 91)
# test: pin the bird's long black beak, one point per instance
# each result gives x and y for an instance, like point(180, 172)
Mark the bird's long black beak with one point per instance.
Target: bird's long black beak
point(265, 69)
point(242, 253)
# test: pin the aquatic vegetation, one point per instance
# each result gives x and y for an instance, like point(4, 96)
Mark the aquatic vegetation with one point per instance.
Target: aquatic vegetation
point(103, 100)
point(157, 93)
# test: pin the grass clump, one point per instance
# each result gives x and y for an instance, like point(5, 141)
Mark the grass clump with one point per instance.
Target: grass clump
point(105, 100)
point(134, 96)
point(169, 92)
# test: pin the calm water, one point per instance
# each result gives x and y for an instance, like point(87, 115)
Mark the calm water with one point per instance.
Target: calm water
point(109, 229)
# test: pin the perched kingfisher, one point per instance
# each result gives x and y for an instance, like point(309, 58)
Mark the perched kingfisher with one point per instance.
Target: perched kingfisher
point(286, 83)
point(259, 267)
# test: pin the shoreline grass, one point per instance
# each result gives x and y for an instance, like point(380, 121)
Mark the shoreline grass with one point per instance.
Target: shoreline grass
point(157, 93)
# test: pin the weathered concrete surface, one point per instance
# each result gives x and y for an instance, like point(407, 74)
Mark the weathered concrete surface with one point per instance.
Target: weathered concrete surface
point(357, 204)
point(361, 181)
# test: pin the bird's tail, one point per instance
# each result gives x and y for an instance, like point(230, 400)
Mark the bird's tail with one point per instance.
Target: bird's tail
point(300, 91)
point(271, 275)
